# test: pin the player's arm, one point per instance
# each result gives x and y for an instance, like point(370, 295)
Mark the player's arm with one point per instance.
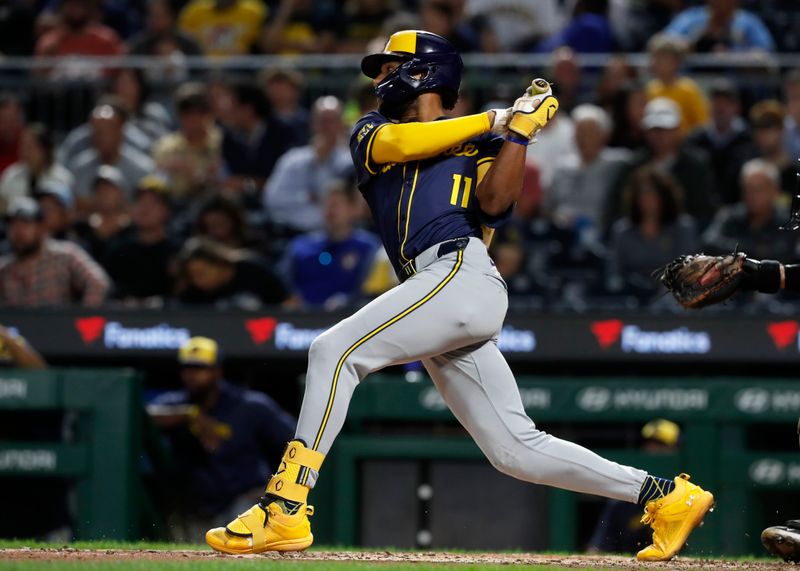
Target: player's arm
point(403, 142)
point(769, 276)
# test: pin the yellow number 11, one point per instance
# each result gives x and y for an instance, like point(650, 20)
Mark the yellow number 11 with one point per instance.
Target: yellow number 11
point(457, 186)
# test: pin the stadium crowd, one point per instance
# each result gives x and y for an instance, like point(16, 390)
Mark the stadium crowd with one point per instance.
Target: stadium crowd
point(237, 192)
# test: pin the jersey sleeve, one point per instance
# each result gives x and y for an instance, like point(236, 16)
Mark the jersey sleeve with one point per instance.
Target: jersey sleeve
point(361, 141)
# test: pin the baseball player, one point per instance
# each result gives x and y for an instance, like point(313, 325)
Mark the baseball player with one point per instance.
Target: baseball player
point(436, 188)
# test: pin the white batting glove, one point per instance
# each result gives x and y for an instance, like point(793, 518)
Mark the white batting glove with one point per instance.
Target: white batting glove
point(501, 119)
point(527, 117)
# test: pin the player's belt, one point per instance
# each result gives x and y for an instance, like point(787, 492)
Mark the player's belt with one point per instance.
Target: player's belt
point(431, 254)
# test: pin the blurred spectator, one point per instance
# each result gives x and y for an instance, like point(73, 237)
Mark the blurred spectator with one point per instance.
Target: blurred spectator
point(220, 94)
point(161, 36)
point(254, 141)
point(224, 439)
point(130, 85)
point(16, 28)
point(581, 186)
point(138, 261)
point(791, 95)
point(302, 26)
point(666, 58)
point(565, 75)
point(362, 21)
point(721, 26)
point(751, 226)
point(588, 31)
point(328, 269)
point(78, 33)
point(294, 194)
point(284, 88)
point(107, 210)
point(191, 158)
point(619, 529)
point(635, 22)
point(40, 271)
point(12, 122)
point(617, 73)
point(517, 25)
point(223, 27)
point(554, 144)
point(80, 138)
point(36, 165)
point(443, 17)
point(666, 152)
point(510, 258)
point(726, 139)
point(223, 220)
point(58, 209)
point(627, 114)
point(108, 148)
point(652, 233)
point(214, 274)
point(768, 121)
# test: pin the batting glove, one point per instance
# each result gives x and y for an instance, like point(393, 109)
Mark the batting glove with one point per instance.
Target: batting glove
point(501, 119)
point(533, 111)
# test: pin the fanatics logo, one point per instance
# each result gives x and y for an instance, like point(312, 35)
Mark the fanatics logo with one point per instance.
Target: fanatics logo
point(783, 333)
point(261, 329)
point(90, 328)
point(607, 332)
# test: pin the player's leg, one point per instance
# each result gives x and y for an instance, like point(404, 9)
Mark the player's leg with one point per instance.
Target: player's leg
point(480, 389)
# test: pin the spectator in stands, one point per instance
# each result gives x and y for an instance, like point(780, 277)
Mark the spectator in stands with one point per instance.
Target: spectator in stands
point(328, 269)
point(284, 88)
point(634, 23)
point(224, 439)
point(138, 261)
point(510, 258)
point(442, 17)
point(617, 73)
point(588, 31)
point(627, 114)
point(791, 95)
point(78, 33)
point(751, 226)
point(58, 209)
point(151, 117)
point(653, 232)
point(223, 27)
point(721, 26)
point(726, 139)
point(36, 165)
point(566, 76)
point(214, 274)
point(581, 188)
point(361, 22)
point(161, 35)
point(254, 142)
point(666, 151)
point(44, 272)
point(666, 57)
point(12, 122)
point(108, 215)
point(302, 26)
point(191, 158)
point(223, 220)
point(768, 122)
point(108, 148)
point(517, 25)
point(293, 196)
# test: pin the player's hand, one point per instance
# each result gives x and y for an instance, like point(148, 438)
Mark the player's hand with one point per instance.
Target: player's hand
point(533, 111)
point(501, 119)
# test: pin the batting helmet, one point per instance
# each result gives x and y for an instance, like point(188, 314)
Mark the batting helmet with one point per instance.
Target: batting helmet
point(430, 63)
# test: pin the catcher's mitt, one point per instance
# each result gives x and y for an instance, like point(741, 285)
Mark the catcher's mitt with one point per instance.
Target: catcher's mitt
point(698, 280)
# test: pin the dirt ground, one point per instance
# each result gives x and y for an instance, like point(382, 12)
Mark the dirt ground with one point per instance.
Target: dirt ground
point(572, 561)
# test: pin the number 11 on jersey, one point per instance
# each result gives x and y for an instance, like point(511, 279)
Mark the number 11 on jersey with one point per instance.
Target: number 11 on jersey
point(457, 187)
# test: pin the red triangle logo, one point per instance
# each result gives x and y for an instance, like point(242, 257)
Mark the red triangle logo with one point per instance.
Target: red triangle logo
point(607, 332)
point(90, 328)
point(261, 329)
point(783, 333)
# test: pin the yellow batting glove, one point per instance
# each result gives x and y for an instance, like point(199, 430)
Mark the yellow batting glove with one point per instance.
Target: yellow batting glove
point(533, 110)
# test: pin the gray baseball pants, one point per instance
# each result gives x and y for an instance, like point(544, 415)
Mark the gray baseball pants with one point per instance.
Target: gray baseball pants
point(449, 315)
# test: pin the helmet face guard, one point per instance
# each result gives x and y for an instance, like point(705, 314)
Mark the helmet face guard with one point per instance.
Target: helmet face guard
point(429, 64)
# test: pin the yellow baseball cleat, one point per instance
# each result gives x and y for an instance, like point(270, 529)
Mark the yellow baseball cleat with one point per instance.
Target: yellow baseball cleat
point(673, 518)
point(279, 522)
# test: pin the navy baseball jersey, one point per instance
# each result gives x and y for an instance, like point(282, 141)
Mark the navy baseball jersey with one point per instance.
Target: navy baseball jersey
point(420, 203)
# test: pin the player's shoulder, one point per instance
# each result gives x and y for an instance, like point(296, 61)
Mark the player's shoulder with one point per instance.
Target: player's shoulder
point(367, 124)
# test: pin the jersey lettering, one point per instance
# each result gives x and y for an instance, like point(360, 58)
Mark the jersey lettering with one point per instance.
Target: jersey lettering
point(462, 150)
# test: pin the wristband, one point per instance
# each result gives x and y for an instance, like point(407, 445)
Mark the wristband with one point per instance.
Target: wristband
point(518, 140)
point(768, 278)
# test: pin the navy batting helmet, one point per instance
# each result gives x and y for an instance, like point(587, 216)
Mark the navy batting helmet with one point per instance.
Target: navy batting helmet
point(429, 63)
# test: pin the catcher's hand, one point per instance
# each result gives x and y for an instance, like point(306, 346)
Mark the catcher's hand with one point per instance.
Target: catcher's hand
point(532, 111)
point(698, 280)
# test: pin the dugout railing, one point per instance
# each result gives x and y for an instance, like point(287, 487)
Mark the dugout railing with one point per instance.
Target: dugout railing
point(715, 416)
